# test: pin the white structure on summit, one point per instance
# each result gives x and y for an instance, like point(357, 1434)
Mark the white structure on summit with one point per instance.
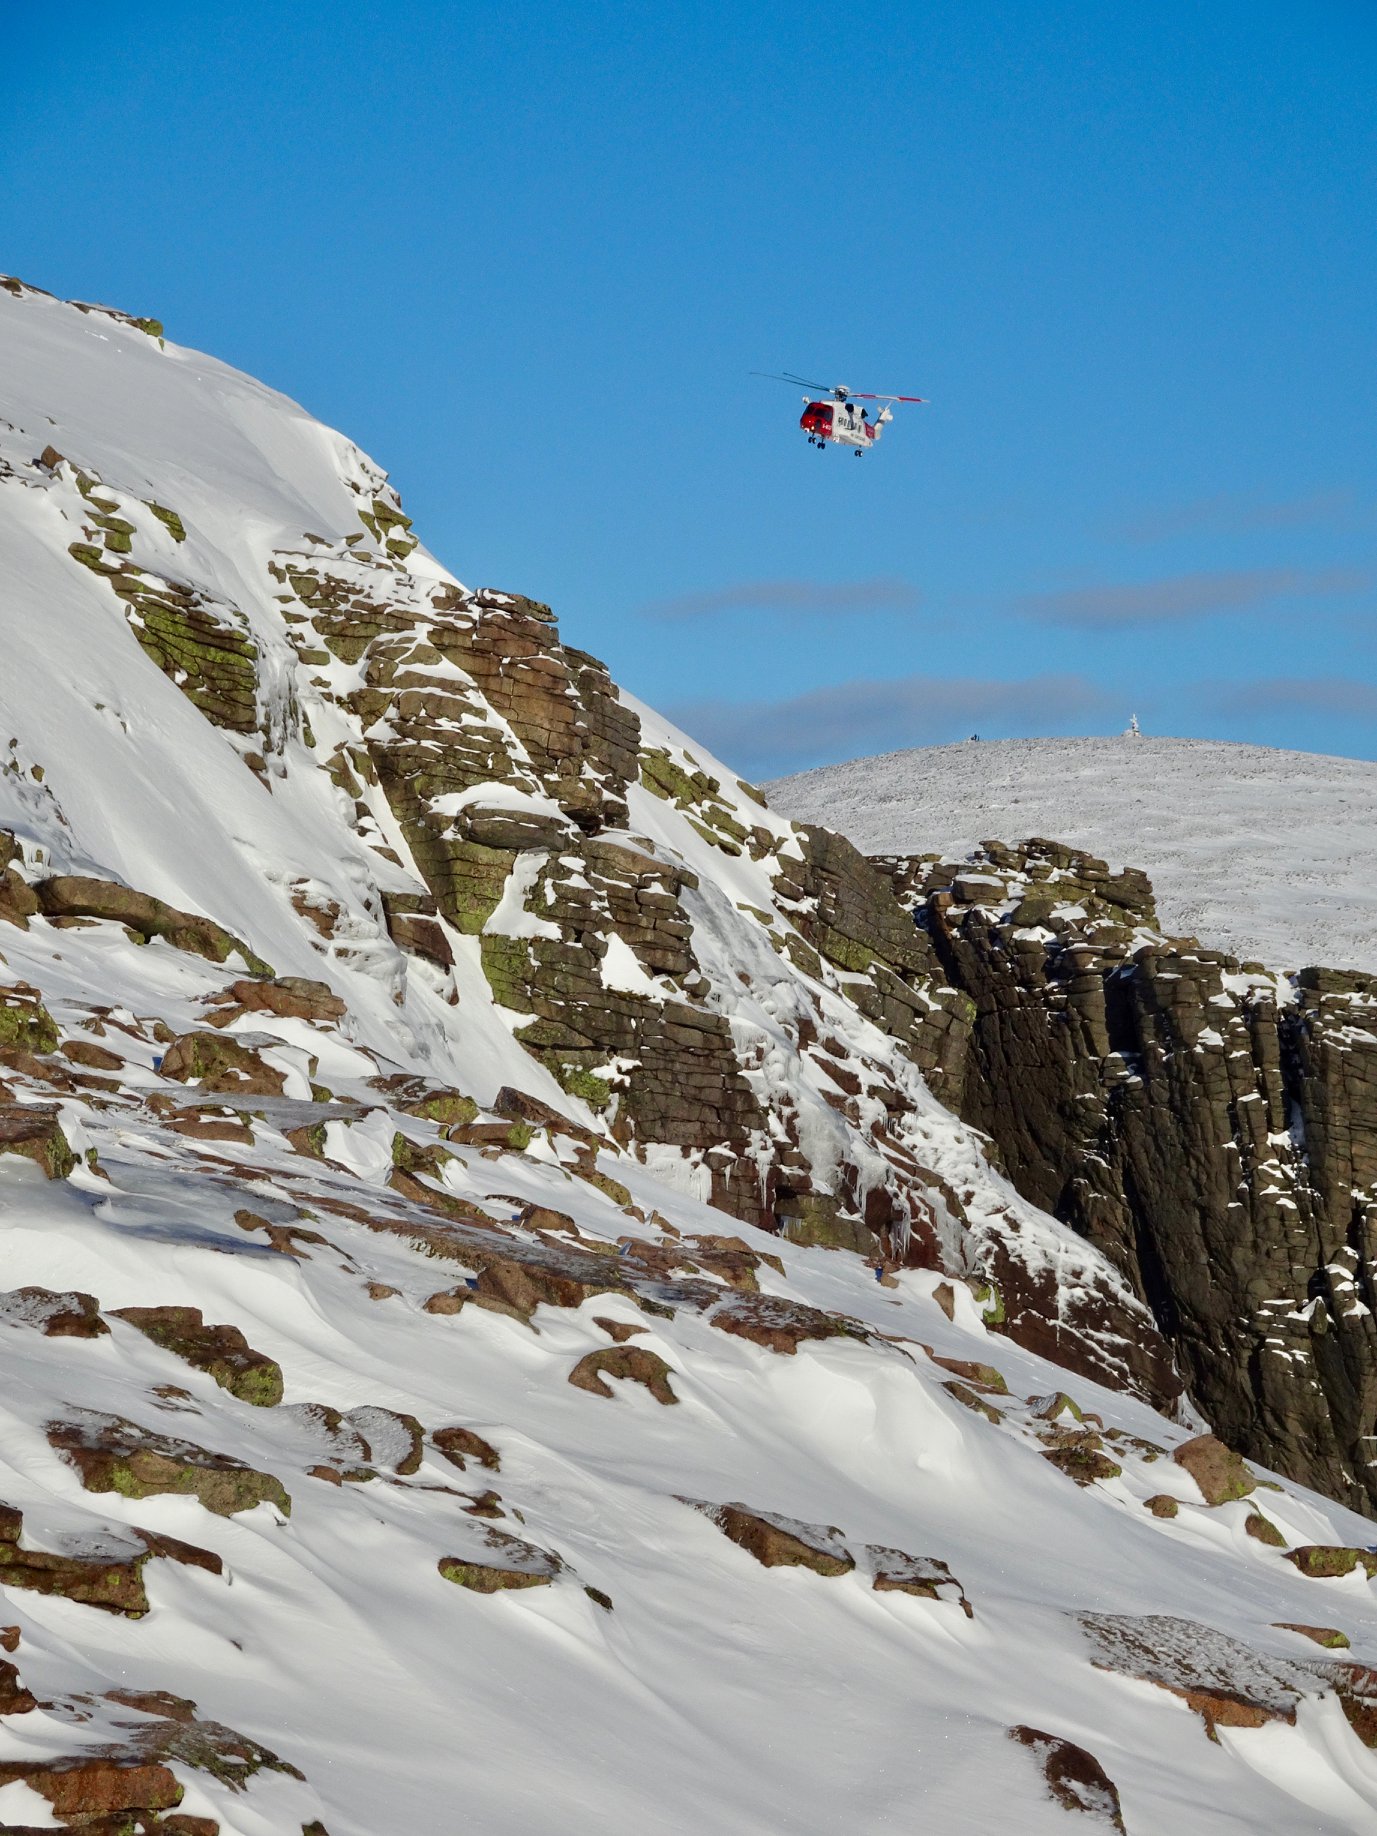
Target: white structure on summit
point(1133, 730)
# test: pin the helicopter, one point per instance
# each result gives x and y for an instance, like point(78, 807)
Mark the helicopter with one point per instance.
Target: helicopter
point(839, 422)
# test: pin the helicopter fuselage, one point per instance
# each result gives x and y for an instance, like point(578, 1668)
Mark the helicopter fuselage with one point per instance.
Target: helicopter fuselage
point(842, 423)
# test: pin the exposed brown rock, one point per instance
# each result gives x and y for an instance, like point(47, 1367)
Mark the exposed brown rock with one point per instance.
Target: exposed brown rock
point(125, 1783)
point(221, 1063)
point(391, 1439)
point(85, 1787)
point(15, 1698)
point(632, 1362)
point(460, 1445)
point(112, 1454)
point(780, 1542)
point(1224, 1681)
point(86, 1052)
point(731, 1258)
point(34, 1131)
point(1325, 1561)
point(1080, 1455)
point(1328, 1636)
point(222, 1352)
point(72, 896)
point(1162, 1504)
point(972, 1399)
point(290, 996)
point(1075, 1778)
point(781, 1325)
point(197, 1127)
point(112, 1582)
point(502, 1562)
point(1264, 1530)
point(413, 921)
point(895, 1571)
point(979, 1376)
point(69, 1315)
point(1220, 1473)
point(620, 1330)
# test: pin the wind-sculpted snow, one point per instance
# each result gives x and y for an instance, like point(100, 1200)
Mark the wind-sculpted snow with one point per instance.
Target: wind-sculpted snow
point(1270, 855)
point(449, 1139)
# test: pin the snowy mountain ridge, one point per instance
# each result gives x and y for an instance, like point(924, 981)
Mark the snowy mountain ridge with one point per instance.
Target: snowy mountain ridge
point(1269, 854)
point(449, 1128)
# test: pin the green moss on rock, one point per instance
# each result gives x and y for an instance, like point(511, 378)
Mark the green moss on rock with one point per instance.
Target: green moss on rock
point(170, 520)
point(25, 1024)
point(1329, 1561)
point(222, 1352)
point(111, 1454)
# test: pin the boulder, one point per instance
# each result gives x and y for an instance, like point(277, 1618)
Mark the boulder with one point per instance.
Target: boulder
point(125, 1784)
point(1081, 1457)
point(501, 1562)
point(781, 1325)
point(391, 1439)
point(220, 1063)
point(110, 1580)
point(76, 896)
point(25, 1023)
point(111, 1454)
point(895, 1571)
point(1220, 1473)
point(632, 1362)
point(84, 1787)
point(1075, 1778)
point(33, 1131)
point(620, 1330)
point(1263, 1530)
point(15, 1698)
point(413, 923)
point(68, 1315)
point(979, 1376)
point(1328, 1636)
point(289, 996)
point(222, 1352)
point(1328, 1561)
point(460, 1445)
point(780, 1542)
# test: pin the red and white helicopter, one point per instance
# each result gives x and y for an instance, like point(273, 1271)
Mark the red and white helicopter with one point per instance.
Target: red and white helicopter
point(839, 422)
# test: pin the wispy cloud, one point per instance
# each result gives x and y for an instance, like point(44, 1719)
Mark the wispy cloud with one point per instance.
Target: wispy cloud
point(1181, 597)
point(851, 719)
point(1233, 513)
point(1337, 695)
point(811, 598)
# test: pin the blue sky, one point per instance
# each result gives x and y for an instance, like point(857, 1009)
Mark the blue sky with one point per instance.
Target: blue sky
point(528, 255)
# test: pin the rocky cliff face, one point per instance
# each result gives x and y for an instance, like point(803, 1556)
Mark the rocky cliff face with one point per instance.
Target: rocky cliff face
point(1208, 1125)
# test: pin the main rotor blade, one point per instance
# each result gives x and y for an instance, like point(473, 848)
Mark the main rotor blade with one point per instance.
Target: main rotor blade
point(857, 396)
point(797, 382)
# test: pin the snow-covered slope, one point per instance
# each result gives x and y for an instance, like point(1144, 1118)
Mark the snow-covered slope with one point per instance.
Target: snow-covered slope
point(1268, 854)
point(413, 1494)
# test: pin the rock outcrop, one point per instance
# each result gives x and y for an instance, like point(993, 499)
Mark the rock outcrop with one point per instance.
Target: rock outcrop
point(1209, 1125)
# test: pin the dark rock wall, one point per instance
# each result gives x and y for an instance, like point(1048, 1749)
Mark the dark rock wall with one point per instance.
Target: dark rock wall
point(1212, 1128)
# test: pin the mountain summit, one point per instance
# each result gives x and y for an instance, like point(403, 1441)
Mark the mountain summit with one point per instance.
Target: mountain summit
point(450, 1132)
